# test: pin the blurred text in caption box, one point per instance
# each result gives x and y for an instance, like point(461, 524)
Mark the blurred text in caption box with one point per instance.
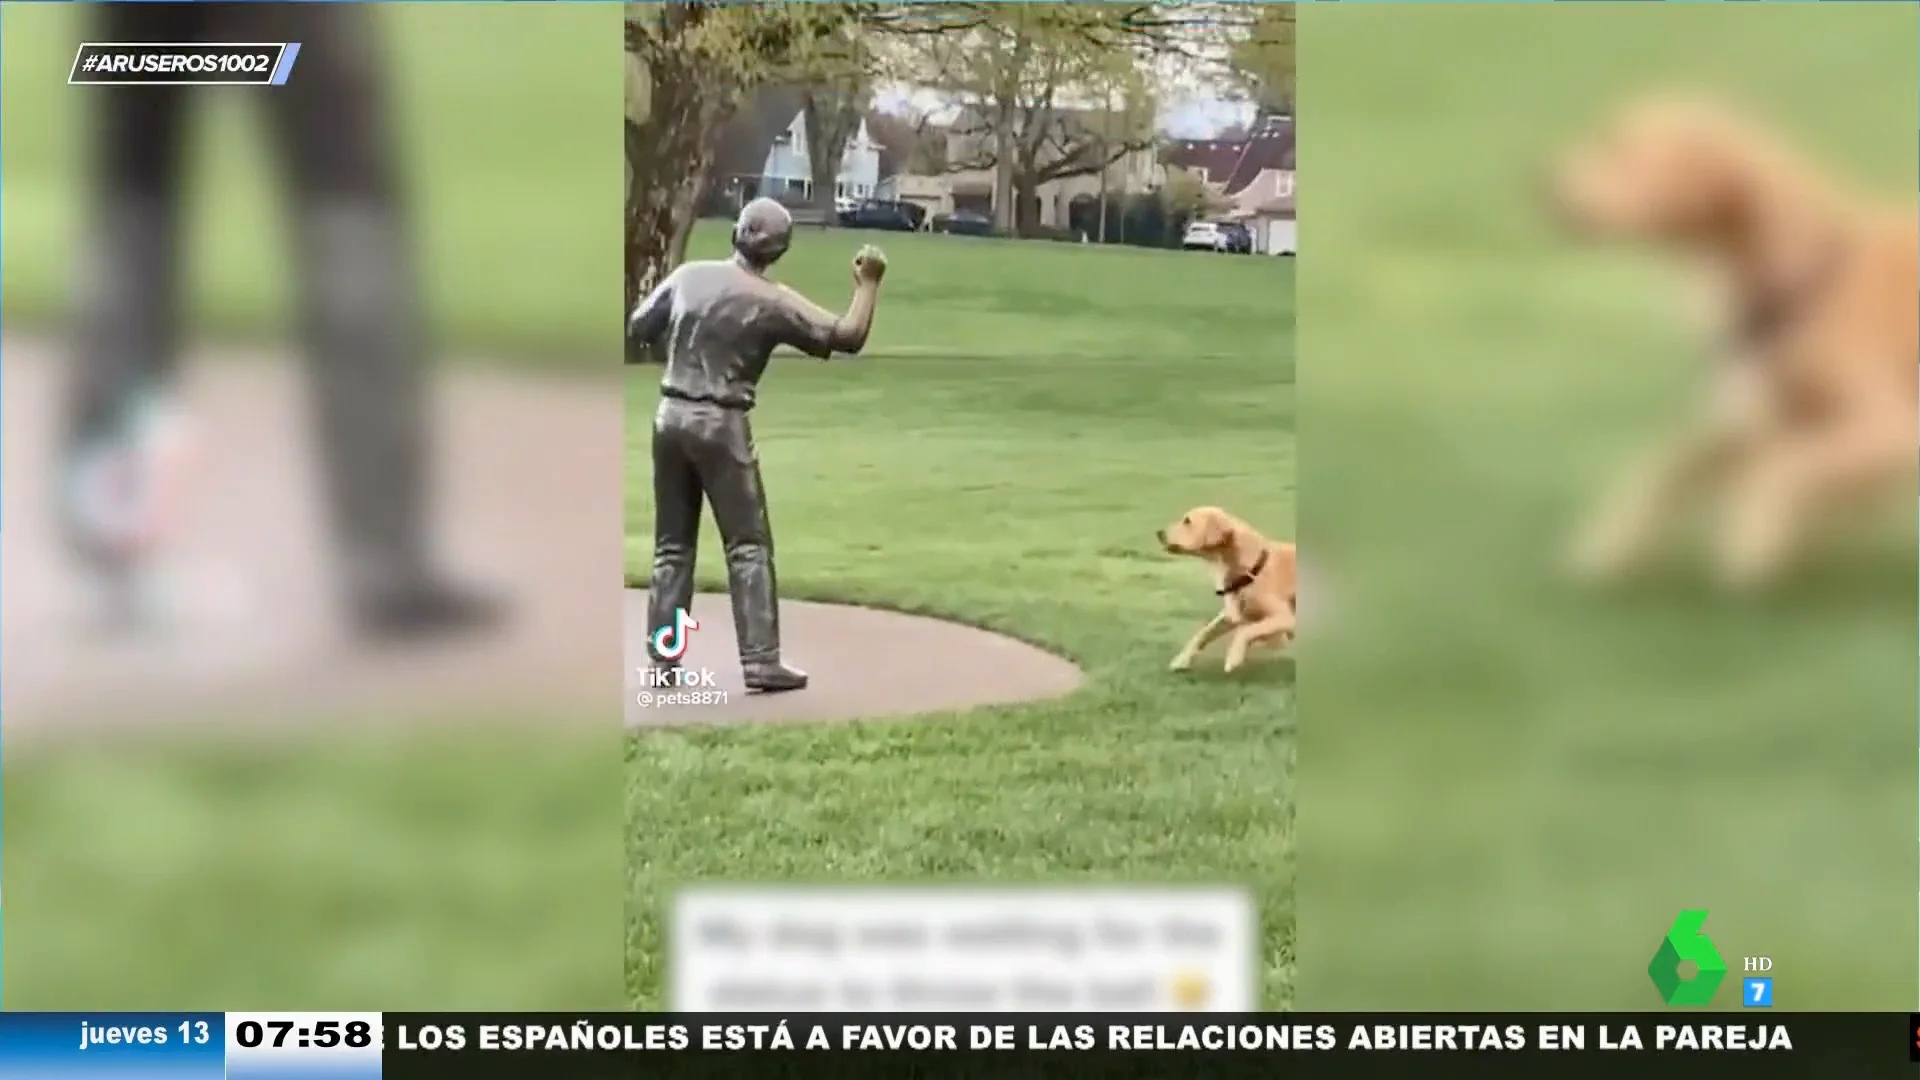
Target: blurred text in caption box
point(893, 948)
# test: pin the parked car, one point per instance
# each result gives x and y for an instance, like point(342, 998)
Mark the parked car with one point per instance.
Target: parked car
point(1229, 237)
point(882, 214)
point(969, 223)
point(842, 206)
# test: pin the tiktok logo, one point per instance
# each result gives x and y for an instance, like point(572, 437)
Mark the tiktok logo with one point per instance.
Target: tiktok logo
point(670, 642)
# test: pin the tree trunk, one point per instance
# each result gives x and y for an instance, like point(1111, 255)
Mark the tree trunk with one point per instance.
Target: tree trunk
point(1106, 119)
point(1026, 202)
point(672, 153)
point(1005, 138)
point(1004, 218)
point(832, 119)
point(823, 158)
point(1103, 205)
point(1026, 181)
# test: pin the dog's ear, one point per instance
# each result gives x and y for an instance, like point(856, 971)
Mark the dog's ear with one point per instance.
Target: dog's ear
point(1724, 177)
point(1222, 530)
point(1713, 177)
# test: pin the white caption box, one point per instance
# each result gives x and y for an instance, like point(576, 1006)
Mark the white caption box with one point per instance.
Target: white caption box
point(959, 949)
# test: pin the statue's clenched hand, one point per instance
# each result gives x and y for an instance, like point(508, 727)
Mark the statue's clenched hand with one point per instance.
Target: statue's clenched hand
point(869, 265)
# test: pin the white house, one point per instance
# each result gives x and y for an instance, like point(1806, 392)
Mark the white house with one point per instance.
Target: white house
point(788, 172)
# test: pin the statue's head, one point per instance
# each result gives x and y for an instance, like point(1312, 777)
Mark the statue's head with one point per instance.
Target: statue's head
point(763, 232)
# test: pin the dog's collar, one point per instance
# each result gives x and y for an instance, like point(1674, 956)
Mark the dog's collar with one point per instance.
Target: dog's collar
point(1240, 581)
point(1772, 311)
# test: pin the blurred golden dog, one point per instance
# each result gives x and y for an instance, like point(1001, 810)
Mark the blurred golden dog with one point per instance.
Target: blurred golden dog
point(1255, 578)
point(1815, 397)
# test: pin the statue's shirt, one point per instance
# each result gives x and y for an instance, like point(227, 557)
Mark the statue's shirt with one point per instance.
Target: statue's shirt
point(718, 323)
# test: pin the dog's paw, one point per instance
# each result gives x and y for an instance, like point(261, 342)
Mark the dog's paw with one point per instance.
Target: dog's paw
point(1183, 662)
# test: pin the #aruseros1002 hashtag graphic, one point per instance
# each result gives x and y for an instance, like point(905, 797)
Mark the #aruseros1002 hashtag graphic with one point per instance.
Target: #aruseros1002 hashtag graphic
point(114, 63)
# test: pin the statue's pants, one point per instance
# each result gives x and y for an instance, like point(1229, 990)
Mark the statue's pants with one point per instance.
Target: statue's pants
point(705, 450)
point(330, 132)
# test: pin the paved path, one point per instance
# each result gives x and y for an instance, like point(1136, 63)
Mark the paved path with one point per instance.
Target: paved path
point(864, 664)
point(529, 500)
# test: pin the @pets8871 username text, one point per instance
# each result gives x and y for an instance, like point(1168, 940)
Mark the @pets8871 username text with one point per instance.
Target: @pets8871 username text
point(666, 687)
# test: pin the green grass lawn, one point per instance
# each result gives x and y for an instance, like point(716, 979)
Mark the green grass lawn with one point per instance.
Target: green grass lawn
point(467, 864)
point(473, 871)
point(1509, 789)
point(1024, 419)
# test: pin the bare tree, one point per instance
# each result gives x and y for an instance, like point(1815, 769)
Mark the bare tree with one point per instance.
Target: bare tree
point(1262, 60)
point(1051, 91)
point(912, 138)
point(832, 116)
point(696, 60)
point(693, 62)
point(836, 86)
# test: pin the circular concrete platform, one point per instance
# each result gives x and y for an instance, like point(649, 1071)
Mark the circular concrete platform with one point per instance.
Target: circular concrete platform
point(527, 473)
point(865, 664)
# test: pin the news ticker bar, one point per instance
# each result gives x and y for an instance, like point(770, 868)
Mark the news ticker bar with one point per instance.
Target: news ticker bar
point(147, 63)
point(403, 1046)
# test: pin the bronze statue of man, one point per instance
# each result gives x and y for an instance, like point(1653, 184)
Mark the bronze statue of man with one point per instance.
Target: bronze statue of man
point(717, 323)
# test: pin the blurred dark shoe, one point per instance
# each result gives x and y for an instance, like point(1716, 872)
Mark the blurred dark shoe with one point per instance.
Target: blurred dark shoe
point(774, 678)
point(429, 609)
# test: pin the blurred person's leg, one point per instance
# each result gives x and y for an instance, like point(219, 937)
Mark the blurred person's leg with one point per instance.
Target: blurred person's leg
point(361, 318)
point(505, 751)
point(127, 305)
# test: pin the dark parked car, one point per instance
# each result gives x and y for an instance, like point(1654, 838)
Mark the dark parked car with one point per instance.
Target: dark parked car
point(969, 223)
point(881, 214)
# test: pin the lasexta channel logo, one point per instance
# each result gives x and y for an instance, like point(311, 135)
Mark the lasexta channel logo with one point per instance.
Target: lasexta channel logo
point(1686, 942)
point(670, 642)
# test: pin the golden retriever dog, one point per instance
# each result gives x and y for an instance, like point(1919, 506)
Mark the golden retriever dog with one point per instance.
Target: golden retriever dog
point(1813, 402)
point(1255, 578)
